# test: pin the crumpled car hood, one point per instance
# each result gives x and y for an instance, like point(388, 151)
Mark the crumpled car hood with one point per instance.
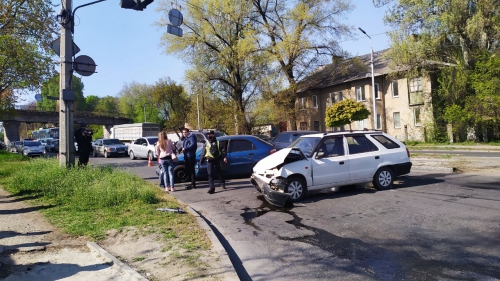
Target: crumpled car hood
point(279, 158)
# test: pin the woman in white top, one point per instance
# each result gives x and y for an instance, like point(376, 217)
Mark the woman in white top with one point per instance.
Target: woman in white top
point(164, 150)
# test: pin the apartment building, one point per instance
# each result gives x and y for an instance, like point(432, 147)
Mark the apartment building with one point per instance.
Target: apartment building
point(403, 105)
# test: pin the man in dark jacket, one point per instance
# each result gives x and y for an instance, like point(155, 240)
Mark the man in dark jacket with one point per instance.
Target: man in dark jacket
point(213, 153)
point(189, 149)
point(83, 138)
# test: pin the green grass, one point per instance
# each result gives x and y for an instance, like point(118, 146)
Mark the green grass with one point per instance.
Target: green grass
point(91, 201)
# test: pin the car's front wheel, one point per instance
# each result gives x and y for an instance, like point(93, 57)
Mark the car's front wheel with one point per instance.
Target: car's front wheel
point(106, 155)
point(131, 154)
point(94, 153)
point(296, 188)
point(180, 174)
point(383, 178)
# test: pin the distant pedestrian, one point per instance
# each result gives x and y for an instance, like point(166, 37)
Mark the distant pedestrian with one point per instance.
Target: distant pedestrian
point(164, 150)
point(213, 154)
point(189, 146)
point(160, 169)
point(83, 139)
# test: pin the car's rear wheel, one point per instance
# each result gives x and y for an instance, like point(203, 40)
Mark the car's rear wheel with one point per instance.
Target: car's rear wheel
point(180, 174)
point(150, 155)
point(131, 154)
point(296, 188)
point(383, 178)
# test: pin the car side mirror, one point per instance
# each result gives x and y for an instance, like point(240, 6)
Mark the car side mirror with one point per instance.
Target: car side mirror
point(320, 154)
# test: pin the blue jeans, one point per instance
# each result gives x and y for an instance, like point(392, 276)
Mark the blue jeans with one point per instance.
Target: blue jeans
point(168, 172)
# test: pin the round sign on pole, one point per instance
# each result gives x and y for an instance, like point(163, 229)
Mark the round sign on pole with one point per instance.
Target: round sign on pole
point(38, 97)
point(84, 65)
point(175, 17)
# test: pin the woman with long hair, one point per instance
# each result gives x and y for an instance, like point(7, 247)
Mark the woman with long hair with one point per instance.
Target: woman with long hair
point(164, 151)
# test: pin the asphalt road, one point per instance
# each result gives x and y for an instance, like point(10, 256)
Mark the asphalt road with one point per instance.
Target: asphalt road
point(429, 227)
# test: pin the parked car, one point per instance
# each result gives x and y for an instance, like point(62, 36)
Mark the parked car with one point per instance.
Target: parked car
point(49, 144)
point(14, 146)
point(33, 148)
point(318, 161)
point(284, 139)
point(243, 152)
point(143, 148)
point(201, 138)
point(109, 147)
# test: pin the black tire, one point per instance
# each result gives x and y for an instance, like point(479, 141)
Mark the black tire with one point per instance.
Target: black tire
point(106, 155)
point(296, 188)
point(180, 174)
point(383, 178)
point(131, 154)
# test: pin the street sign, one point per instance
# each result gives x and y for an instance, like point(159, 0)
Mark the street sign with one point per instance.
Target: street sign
point(84, 65)
point(56, 47)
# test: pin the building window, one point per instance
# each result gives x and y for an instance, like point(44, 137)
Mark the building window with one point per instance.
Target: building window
point(360, 93)
point(417, 117)
point(379, 121)
point(339, 95)
point(315, 101)
point(331, 99)
point(361, 124)
point(394, 89)
point(377, 89)
point(316, 125)
point(303, 126)
point(416, 91)
point(302, 103)
point(397, 119)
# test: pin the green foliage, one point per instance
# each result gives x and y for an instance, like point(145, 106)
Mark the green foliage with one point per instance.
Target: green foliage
point(345, 112)
point(50, 88)
point(173, 104)
point(26, 28)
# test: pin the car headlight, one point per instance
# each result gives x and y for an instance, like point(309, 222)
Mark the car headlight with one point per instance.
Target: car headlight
point(278, 183)
point(111, 149)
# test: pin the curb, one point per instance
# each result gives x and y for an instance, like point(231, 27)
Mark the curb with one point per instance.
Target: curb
point(435, 169)
point(223, 255)
point(94, 247)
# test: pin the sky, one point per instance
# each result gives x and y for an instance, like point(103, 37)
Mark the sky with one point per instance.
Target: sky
point(125, 46)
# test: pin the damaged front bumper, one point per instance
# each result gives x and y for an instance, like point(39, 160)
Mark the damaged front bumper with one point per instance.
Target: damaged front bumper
point(273, 190)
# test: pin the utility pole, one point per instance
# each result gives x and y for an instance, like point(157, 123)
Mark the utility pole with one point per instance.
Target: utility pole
point(66, 95)
point(373, 84)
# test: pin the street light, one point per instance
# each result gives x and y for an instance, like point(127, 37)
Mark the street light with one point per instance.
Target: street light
point(373, 83)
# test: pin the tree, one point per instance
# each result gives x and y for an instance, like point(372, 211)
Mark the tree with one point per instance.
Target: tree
point(50, 88)
point(345, 112)
point(135, 99)
point(108, 105)
point(91, 102)
point(26, 29)
point(173, 103)
point(299, 37)
point(220, 43)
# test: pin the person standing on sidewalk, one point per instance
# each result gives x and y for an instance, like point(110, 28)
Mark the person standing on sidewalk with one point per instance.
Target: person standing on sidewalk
point(189, 149)
point(83, 138)
point(214, 154)
point(164, 151)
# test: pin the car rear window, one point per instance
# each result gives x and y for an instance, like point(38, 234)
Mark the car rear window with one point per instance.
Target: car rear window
point(386, 142)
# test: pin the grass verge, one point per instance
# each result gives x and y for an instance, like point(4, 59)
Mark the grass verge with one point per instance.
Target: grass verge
point(93, 200)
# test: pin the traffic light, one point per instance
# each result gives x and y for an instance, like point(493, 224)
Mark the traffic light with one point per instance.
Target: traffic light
point(137, 5)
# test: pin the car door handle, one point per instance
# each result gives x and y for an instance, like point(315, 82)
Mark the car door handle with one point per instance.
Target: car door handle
point(341, 163)
point(250, 153)
point(377, 157)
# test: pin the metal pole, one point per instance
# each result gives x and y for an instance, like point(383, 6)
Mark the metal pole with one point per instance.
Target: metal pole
point(373, 83)
point(67, 149)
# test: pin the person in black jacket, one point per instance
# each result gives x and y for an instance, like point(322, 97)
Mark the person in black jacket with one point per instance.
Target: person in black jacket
point(214, 153)
point(83, 138)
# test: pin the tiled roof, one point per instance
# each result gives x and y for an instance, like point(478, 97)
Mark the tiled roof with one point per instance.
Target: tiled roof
point(351, 69)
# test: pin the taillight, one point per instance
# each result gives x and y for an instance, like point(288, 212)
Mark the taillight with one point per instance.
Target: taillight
point(408, 152)
point(272, 151)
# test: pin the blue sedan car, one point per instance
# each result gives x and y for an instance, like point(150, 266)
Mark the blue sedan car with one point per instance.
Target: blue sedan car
point(243, 152)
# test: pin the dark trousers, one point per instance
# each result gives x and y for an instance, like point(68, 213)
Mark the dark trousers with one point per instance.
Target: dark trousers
point(84, 158)
point(190, 169)
point(212, 167)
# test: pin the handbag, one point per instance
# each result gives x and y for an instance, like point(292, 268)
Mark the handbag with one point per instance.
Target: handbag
point(174, 157)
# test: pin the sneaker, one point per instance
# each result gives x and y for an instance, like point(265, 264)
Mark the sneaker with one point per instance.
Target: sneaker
point(223, 186)
point(167, 188)
point(172, 189)
point(189, 187)
point(211, 191)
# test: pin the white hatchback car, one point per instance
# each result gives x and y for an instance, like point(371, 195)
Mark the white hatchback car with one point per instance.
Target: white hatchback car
point(326, 160)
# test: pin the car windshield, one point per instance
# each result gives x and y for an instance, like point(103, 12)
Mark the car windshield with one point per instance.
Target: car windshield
point(306, 144)
point(32, 143)
point(152, 140)
point(112, 141)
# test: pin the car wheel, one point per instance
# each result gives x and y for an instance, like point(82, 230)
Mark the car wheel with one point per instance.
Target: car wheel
point(150, 155)
point(296, 188)
point(131, 154)
point(106, 154)
point(180, 174)
point(383, 178)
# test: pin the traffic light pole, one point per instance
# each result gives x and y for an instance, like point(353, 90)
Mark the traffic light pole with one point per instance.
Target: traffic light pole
point(66, 96)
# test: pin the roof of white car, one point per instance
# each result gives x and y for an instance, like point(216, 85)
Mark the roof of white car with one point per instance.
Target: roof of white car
point(341, 133)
